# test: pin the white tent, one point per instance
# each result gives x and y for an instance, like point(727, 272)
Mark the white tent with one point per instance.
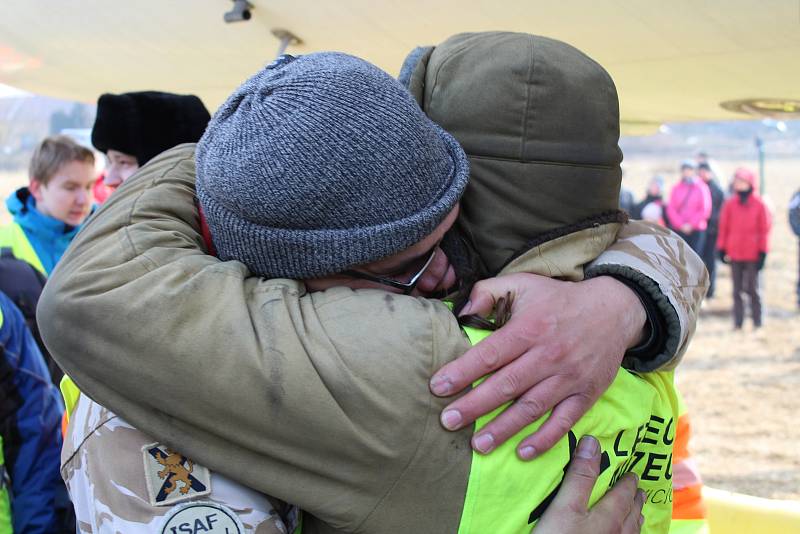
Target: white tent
point(672, 61)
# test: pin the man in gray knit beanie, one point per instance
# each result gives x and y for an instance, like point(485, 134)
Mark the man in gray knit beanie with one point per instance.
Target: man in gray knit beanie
point(320, 163)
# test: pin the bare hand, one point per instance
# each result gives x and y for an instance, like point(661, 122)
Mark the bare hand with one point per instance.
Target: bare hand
point(618, 512)
point(560, 350)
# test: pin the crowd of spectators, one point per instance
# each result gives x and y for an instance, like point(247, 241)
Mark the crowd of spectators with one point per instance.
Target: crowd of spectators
point(731, 225)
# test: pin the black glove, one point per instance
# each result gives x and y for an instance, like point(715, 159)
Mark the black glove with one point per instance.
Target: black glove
point(723, 257)
point(762, 257)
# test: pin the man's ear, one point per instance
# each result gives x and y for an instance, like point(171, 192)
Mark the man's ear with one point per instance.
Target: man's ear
point(412, 73)
point(35, 187)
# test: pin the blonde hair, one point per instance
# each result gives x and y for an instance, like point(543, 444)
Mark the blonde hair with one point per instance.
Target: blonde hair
point(54, 152)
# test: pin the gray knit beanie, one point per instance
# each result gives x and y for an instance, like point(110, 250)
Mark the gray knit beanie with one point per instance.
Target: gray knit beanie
point(320, 163)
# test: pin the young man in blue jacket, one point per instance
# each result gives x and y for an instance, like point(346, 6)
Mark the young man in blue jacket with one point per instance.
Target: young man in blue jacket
point(49, 212)
point(47, 215)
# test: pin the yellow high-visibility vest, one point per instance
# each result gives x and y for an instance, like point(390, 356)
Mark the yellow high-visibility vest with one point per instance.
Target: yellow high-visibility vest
point(634, 421)
point(13, 236)
point(6, 525)
point(70, 392)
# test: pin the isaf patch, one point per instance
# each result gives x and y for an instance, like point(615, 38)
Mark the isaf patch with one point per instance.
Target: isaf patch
point(171, 477)
point(196, 517)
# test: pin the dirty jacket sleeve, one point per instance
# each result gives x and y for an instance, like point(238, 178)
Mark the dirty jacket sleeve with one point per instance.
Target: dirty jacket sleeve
point(288, 393)
point(663, 265)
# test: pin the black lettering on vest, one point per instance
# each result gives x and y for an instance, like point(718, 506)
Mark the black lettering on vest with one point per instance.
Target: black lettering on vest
point(627, 465)
point(617, 440)
point(651, 469)
point(652, 429)
point(646, 434)
point(620, 471)
point(668, 470)
point(637, 455)
point(667, 439)
point(655, 495)
point(638, 438)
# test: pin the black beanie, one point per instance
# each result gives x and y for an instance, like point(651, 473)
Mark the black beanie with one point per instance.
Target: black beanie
point(146, 123)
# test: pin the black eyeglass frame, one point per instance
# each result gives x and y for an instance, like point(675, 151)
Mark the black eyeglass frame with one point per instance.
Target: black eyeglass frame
point(405, 287)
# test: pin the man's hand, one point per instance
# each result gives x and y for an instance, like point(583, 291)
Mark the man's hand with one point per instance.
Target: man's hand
point(560, 350)
point(618, 512)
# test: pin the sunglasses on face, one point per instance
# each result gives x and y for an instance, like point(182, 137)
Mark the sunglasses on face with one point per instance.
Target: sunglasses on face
point(405, 287)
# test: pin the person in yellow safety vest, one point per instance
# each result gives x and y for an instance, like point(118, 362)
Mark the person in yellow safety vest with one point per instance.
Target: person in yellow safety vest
point(645, 406)
point(689, 510)
point(49, 212)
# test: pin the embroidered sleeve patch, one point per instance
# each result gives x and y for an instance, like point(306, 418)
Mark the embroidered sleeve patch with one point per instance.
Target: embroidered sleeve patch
point(172, 477)
point(195, 517)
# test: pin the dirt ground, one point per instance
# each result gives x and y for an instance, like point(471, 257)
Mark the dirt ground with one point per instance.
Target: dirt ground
point(741, 388)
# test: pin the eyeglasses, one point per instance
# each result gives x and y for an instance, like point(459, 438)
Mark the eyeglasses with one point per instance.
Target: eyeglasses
point(405, 287)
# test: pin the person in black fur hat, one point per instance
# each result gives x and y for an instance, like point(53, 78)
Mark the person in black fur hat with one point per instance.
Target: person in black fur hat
point(133, 128)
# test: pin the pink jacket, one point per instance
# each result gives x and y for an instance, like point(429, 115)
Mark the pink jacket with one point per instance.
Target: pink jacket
point(689, 202)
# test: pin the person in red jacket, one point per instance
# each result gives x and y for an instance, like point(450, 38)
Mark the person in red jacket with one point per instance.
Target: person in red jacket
point(743, 234)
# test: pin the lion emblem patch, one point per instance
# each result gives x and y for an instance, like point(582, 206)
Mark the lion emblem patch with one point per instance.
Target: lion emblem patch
point(171, 477)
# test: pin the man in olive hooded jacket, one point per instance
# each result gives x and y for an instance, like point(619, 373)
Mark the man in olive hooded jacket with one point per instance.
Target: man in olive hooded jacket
point(300, 365)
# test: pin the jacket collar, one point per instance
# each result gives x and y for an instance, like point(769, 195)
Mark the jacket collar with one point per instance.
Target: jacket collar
point(565, 253)
point(22, 206)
